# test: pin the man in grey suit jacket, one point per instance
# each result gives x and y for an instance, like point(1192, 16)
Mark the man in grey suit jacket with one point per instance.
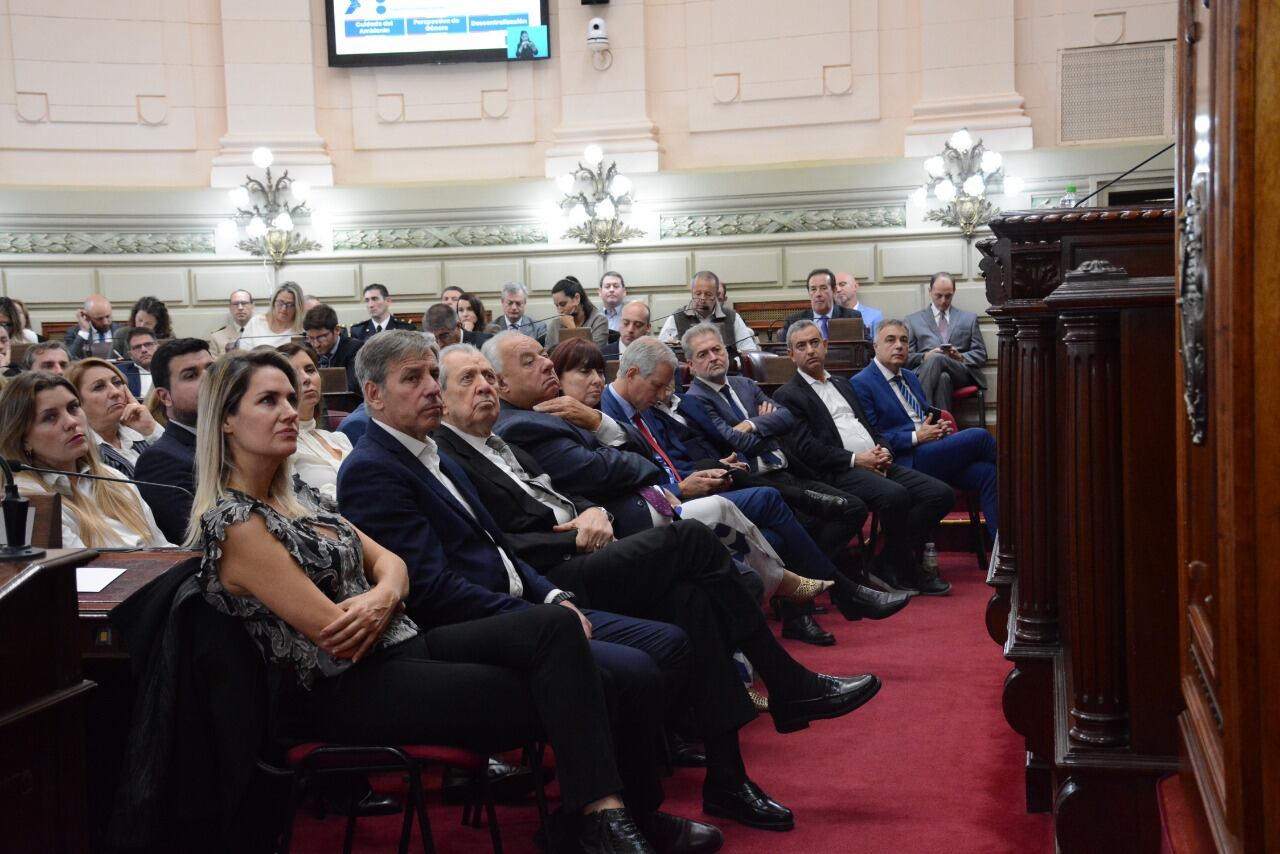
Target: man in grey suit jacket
point(945, 345)
point(514, 299)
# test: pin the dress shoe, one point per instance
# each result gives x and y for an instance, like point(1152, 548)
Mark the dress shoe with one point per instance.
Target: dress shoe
point(838, 695)
point(930, 585)
point(371, 803)
point(822, 505)
point(805, 628)
point(760, 701)
point(509, 783)
point(807, 590)
point(856, 601)
point(612, 832)
point(671, 834)
point(895, 581)
point(686, 754)
point(746, 804)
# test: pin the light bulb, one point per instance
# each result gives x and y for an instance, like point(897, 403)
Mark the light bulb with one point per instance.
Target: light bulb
point(961, 141)
point(606, 209)
point(593, 154)
point(239, 197)
point(256, 227)
point(619, 186)
point(1202, 149)
point(227, 230)
point(578, 214)
point(262, 157)
point(1012, 185)
point(320, 221)
point(946, 191)
point(974, 185)
point(934, 167)
point(566, 183)
point(284, 222)
point(991, 161)
point(919, 197)
point(300, 189)
point(1202, 123)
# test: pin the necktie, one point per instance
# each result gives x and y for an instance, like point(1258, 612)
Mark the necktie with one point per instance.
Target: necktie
point(549, 495)
point(377, 327)
point(768, 456)
point(822, 324)
point(944, 328)
point(905, 392)
point(657, 449)
point(655, 499)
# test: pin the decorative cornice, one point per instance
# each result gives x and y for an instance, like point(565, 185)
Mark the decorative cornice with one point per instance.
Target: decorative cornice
point(1087, 215)
point(105, 242)
point(782, 221)
point(438, 236)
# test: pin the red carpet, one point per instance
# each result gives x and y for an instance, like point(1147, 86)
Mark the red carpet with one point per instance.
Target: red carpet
point(929, 765)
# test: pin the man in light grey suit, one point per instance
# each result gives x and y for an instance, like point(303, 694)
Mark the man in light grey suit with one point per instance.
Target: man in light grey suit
point(945, 345)
point(514, 299)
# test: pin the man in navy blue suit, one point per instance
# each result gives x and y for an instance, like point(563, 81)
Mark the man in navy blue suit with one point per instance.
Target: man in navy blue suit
point(398, 489)
point(896, 403)
point(176, 369)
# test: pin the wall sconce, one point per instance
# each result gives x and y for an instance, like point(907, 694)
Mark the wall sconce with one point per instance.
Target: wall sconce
point(264, 212)
point(960, 177)
point(593, 198)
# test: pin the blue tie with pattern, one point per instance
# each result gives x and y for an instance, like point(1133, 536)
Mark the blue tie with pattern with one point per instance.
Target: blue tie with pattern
point(914, 402)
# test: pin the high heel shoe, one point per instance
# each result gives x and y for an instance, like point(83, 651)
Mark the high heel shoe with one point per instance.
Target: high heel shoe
point(807, 590)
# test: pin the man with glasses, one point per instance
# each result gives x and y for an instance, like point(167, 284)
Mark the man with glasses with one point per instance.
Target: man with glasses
point(705, 307)
point(141, 344)
point(336, 351)
point(240, 311)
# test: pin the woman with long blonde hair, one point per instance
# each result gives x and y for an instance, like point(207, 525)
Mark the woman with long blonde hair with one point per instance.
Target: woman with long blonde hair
point(122, 427)
point(281, 322)
point(44, 425)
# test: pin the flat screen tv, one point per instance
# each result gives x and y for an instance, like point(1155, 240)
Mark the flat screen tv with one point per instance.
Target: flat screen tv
point(405, 32)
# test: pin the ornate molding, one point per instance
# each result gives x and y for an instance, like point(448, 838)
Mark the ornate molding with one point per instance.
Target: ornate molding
point(782, 221)
point(438, 236)
point(1087, 215)
point(105, 242)
point(1194, 288)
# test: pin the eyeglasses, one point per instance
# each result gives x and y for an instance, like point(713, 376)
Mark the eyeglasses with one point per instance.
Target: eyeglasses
point(319, 338)
point(280, 304)
point(145, 345)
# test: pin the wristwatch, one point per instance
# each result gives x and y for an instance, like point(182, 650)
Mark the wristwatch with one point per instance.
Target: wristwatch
point(562, 596)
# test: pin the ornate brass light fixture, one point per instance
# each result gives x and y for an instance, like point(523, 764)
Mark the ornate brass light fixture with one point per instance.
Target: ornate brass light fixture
point(961, 177)
point(594, 195)
point(264, 211)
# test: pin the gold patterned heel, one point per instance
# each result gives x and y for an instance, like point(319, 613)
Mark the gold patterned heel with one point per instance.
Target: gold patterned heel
point(760, 701)
point(807, 590)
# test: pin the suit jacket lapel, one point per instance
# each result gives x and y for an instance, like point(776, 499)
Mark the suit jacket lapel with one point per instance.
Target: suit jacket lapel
point(816, 406)
point(415, 465)
point(485, 468)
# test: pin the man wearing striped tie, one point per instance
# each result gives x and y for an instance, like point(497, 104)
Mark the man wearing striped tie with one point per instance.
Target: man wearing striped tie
point(895, 402)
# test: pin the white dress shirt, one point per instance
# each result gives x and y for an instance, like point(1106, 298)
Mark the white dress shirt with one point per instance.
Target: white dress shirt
point(427, 454)
point(854, 436)
point(560, 506)
point(744, 338)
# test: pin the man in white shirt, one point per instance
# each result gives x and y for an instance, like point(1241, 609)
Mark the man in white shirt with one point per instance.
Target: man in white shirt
point(847, 296)
point(613, 290)
point(836, 435)
point(705, 307)
point(142, 347)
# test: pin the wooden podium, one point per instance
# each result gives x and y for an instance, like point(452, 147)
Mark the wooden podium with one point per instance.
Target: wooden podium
point(1085, 590)
point(43, 698)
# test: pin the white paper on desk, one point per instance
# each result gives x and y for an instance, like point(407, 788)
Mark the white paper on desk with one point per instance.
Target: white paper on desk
point(94, 579)
point(31, 521)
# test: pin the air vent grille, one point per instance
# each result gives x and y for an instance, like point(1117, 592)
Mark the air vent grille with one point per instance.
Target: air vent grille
point(1116, 92)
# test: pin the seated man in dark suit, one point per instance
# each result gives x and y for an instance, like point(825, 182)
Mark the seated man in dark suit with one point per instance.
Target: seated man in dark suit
point(94, 332)
point(836, 436)
point(822, 303)
point(377, 301)
point(176, 369)
point(633, 323)
point(944, 344)
point(895, 401)
point(678, 573)
point(396, 488)
point(336, 351)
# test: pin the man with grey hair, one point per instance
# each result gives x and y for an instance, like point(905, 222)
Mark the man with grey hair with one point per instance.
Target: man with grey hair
point(705, 307)
point(397, 489)
point(515, 298)
point(94, 331)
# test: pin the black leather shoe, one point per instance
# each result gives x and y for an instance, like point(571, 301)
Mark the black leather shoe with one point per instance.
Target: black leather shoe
point(856, 601)
point(746, 804)
point(824, 506)
point(806, 629)
point(930, 585)
point(370, 804)
point(839, 696)
point(612, 832)
point(686, 754)
point(671, 834)
point(509, 783)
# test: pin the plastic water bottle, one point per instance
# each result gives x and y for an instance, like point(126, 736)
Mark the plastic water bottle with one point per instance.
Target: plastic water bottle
point(931, 560)
point(1068, 199)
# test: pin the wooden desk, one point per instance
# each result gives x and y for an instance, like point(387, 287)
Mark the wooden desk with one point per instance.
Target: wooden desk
point(97, 639)
point(43, 699)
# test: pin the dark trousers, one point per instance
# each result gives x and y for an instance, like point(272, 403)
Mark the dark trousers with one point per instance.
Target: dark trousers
point(910, 504)
point(764, 506)
point(681, 574)
point(488, 684)
point(966, 460)
point(831, 535)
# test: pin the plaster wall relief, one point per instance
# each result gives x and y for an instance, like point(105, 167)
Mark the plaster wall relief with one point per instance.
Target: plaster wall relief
point(751, 65)
point(84, 75)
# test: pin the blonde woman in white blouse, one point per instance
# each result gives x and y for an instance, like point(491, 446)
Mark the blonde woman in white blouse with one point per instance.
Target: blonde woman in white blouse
point(121, 426)
point(281, 322)
point(320, 452)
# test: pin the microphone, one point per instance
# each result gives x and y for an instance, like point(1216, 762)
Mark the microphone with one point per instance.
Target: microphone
point(1122, 174)
point(20, 466)
point(15, 520)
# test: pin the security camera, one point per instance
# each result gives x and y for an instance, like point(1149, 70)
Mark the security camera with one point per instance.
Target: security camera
point(597, 35)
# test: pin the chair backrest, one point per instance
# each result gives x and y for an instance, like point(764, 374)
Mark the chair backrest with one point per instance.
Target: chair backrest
point(335, 418)
point(46, 530)
point(16, 351)
point(846, 329)
point(333, 380)
point(778, 369)
point(950, 419)
point(611, 370)
point(576, 332)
